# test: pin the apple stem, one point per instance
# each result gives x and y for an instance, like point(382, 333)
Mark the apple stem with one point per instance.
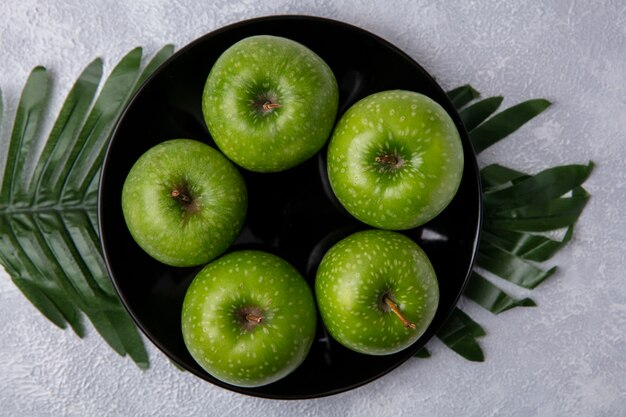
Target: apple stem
point(268, 105)
point(253, 318)
point(180, 196)
point(394, 307)
point(390, 160)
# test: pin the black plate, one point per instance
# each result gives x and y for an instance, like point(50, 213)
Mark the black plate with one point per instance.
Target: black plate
point(293, 213)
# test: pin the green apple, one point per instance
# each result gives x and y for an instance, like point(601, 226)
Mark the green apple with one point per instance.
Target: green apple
point(395, 160)
point(249, 318)
point(184, 203)
point(376, 292)
point(270, 103)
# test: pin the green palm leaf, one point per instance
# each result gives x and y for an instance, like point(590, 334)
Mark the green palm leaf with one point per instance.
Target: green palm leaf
point(516, 206)
point(495, 176)
point(540, 188)
point(60, 151)
point(532, 247)
point(459, 333)
point(462, 95)
point(55, 156)
point(30, 111)
point(505, 123)
point(48, 237)
point(475, 114)
point(489, 296)
point(90, 150)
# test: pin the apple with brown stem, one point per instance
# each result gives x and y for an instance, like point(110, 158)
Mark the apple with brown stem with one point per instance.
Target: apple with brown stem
point(376, 291)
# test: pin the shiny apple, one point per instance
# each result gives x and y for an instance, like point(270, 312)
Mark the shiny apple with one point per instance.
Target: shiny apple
point(270, 103)
point(376, 291)
point(249, 318)
point(395, 160)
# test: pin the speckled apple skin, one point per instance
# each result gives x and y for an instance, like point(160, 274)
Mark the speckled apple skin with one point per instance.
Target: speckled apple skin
point(422, 133)
point(353, 277)
point(287, 136)
point(155, 219)
point(271, 350)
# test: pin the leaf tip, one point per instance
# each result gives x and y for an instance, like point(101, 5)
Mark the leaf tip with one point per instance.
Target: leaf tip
point(475, 93)
point(422, 353)
point(478, 357)
point(545, 102)
point(135, 54)
point(590, 165)
point(98, 62)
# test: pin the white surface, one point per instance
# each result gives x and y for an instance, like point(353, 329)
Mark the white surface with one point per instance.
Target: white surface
point(565, 357)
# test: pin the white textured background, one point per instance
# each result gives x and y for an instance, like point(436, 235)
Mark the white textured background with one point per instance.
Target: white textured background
point(565, 357)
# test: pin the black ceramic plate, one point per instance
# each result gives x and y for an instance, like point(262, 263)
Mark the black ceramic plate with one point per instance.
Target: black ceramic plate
point(293, 213)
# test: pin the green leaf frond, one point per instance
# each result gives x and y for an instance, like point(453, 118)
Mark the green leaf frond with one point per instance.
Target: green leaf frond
point(48, 236)
point(520, 210)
